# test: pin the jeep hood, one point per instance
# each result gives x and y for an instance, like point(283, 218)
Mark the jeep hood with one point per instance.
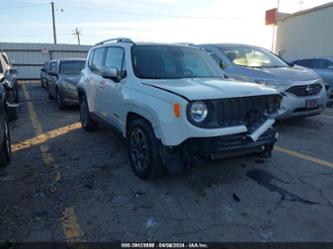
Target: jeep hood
point(203, 88)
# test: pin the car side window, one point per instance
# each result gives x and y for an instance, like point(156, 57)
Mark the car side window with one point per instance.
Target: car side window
point(306, 63)
point(91, 55)
point(6, 59)
point(324, 64)
point(115, 58)
point(97, 60)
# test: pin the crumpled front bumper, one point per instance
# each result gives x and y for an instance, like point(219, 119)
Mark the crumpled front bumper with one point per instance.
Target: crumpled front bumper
point(229, 146)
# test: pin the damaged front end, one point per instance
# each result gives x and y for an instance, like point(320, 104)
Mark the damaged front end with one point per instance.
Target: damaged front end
point(256, 113)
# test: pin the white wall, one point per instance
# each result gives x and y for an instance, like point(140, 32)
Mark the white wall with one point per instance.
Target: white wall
point(28, 58)
point(306, 35)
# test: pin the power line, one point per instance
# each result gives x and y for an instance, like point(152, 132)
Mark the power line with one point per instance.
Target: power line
point(24, 6)
point(151, 15)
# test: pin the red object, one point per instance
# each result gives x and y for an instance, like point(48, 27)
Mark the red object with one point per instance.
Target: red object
point(271, 16)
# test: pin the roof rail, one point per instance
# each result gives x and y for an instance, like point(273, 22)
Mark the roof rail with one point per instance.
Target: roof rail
point(185, 43)
point(120, 39)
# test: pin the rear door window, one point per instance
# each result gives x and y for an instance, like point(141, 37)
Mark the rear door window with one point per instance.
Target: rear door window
point(97, 60)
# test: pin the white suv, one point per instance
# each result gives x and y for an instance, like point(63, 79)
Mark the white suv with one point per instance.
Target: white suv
point(173, 105)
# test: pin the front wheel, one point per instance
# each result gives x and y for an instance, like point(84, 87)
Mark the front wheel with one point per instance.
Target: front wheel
point(12, 113)
point(61, 105)
point(86, 122)
point(6, 152)
point(143, 150)
point(49, 92)
point(16, 93)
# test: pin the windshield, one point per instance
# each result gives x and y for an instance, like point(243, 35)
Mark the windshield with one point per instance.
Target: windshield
point(172, 62)
point(71, 67)
point(252, 57)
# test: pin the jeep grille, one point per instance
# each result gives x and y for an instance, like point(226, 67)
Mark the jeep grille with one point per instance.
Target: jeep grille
point(249, 111)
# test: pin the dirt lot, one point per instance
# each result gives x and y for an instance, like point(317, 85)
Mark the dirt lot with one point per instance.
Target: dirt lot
point(65, 184)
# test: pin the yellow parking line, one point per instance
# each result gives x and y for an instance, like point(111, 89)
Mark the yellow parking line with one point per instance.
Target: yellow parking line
point(69, 220)
point(39, 139)
point(71, 225)
point(304, 157)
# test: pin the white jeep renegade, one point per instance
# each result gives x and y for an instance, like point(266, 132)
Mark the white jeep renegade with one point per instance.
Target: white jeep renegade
point(173, 105)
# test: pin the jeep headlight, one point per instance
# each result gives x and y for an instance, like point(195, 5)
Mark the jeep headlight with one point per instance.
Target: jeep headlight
point(198, 111)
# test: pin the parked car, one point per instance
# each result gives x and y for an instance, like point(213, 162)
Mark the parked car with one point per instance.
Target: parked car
point(9, 81)
point(65, 75)
point(303, 90)
point(324, 67)
point(5, 144)
point(173, 105)
point(44, 73)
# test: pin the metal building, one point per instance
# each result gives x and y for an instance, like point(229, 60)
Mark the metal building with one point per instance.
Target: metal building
point(28, 58)
point(308, 33)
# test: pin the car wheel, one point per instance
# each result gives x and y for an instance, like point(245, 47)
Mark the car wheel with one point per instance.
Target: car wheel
point(86, 122)
point(143, 150)
point(6, 151)
point(61, 105)
point(11, 113)
point(16, 94)
point(49, 92)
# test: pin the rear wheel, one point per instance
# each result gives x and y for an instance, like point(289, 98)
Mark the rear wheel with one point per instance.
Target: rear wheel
point(143, 150)
point(87, 123)
point(6, 152)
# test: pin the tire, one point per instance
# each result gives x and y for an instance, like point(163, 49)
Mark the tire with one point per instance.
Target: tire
point(86, 122)
point(143, 150)
point(6, 152)
point(12, 113)
point(16, 93)
point(61, 105)
point(49, 93)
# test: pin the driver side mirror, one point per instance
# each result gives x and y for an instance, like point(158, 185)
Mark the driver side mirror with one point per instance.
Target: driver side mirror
point(222, 65)
point(53, 73)
point(111, 73)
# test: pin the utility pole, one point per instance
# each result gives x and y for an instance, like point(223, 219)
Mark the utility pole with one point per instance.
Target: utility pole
point(54, 25)
point(77, 32)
